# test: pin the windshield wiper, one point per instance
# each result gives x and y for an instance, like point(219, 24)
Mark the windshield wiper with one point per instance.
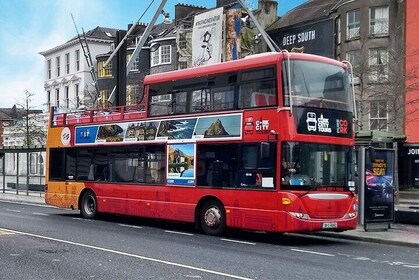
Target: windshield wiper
point(310, 190)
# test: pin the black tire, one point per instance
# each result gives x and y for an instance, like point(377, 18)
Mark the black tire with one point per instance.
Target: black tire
point(88, 207)
point(212, 217)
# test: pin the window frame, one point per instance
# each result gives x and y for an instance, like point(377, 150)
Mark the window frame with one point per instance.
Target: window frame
point(373, 22)
point(104, 96)
point(133, 92)
point(67, 63)
point(378, 118)
point(156, 58)
point(49, 73)
point(67, 97)
point(77, 60)
point(76, 91)
point(58, 66)
point(57, 97)
point(352, 25)
point(380, 54)
point(354, 57)
point(104, 72)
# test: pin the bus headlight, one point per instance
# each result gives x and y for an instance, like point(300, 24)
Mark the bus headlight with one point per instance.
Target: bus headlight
point(350, 215)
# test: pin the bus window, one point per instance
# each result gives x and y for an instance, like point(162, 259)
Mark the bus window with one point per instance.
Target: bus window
point(235, 165)
point(257, 94)
point(316, 84)
point(56, 159)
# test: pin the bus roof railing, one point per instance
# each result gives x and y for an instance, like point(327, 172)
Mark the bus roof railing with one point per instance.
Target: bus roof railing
point(118, 113)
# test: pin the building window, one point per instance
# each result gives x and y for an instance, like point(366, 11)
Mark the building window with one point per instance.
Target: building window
point(33, 163)
point(378, 115)
point(49, 69)
point(136, 64)
point(67, 63)
point(77, 60)
point(104, 96)
point(338, 31)
point(48, 99)
point(76, 90)
point(163, 55)
point(354, 58)
point(133, 92)
point(182, 41)
point(353, 24)
point(183, 64)
point(67, 100)
point(57, 97)
point(378, 61)
point(104, 72)
point(166, 54)
point(379, 21)
point(57, 60)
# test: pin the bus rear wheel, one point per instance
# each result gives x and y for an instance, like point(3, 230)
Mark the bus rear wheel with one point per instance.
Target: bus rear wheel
point(88, 207)
point(213, 218)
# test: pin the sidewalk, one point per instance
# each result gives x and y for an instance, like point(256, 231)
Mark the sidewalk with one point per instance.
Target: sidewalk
point(36, 198)
point(398, 234)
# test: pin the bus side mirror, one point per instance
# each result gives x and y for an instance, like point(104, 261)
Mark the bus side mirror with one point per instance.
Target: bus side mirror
point(265, 148)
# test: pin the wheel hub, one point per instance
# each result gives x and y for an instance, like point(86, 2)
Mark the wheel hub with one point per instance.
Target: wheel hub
point(212, 217)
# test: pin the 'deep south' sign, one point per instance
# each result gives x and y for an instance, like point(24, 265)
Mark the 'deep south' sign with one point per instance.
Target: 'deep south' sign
point(316, 38)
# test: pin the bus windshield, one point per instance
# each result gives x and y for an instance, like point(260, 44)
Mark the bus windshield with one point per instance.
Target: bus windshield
point(316, 84)
point(305, 165)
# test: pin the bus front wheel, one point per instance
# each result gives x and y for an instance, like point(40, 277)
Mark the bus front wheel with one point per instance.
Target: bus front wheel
point(213, 218)
point(88, 207)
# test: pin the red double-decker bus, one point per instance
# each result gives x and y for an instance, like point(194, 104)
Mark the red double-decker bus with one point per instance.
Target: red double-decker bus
point(262, 143)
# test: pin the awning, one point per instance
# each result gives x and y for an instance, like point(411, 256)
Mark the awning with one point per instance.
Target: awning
point(377, 136)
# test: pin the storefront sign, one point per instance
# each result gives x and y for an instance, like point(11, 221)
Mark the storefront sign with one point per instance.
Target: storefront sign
point(315, 38)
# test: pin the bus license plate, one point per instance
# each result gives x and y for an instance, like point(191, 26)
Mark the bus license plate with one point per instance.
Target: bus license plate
point(329, 225)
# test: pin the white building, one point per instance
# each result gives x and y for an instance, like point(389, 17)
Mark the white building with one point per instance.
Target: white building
point(67, 75)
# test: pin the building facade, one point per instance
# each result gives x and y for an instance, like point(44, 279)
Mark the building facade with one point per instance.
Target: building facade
point(68, 80)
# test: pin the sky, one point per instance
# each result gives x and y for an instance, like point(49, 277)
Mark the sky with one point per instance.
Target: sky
point(28, 27)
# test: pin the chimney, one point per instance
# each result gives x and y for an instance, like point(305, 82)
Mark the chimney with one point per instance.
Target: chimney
point(184, 10)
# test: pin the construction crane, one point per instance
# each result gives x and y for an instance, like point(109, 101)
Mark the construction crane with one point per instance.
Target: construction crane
point(86, 52)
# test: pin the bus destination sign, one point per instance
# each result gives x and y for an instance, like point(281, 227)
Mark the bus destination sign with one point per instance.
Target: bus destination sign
point(323, 122)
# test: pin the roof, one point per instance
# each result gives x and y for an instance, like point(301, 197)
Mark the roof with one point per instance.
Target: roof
point(14, 113)
point(163, 30)
point(98, 33)
point(377, 136)
point(308, 11)
point(101, 33)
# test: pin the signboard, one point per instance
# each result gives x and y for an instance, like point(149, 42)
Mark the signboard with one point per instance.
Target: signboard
point(379, 186)
point(181, 164)
point(207, 37)
point(323, 122)
point(410, 168)
point(316, 38)
point(204, 128)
